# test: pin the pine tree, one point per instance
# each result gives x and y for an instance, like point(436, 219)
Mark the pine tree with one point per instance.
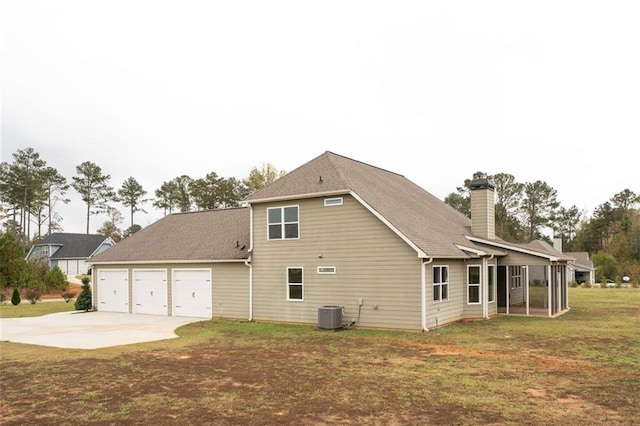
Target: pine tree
point(83, 302)
point(15, 298)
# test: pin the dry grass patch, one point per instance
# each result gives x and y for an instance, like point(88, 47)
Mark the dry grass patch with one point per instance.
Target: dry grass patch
point(578, 368)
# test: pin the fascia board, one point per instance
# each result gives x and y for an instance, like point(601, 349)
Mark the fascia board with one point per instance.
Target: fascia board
point(513, 248)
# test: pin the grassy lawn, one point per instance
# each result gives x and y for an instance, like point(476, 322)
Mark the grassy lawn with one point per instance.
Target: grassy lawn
point(27, 309)
point(582, 368)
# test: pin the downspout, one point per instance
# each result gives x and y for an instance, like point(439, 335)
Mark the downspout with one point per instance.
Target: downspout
point(247, 262)
point(423, 292)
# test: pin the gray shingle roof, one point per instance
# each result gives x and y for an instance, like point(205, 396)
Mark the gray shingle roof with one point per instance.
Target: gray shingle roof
point(73, 246)
point(429, 223)
point(582, 260)
point(546, 248)
point(197, 236)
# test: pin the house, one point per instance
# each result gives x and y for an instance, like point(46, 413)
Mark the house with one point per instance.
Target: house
point(581, 270)
point(69, 252)
point(335, 232)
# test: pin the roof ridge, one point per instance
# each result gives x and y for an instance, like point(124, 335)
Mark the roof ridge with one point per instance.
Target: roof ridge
point(337, 169)
point(206, 210)
point(363, 163)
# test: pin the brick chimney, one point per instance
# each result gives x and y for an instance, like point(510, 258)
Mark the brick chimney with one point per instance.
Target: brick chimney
point(483, 209)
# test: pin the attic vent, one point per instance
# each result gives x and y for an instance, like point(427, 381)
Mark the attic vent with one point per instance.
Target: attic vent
point(326, 269)
point(332, 202)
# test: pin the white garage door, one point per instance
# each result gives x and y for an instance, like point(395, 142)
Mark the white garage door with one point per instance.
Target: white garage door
point(113, 290)
point(192, 293)
point(150, 291)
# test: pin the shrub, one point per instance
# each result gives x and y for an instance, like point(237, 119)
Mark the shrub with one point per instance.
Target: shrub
point(68, 295)
point(56, 280)
point(33, 295)
point(83, 302)
point(15, 298)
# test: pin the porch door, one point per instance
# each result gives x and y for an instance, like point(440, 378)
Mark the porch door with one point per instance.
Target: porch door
point(503, 289)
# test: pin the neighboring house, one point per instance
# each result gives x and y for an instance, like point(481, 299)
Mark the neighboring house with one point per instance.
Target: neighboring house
point(334, 232)
point(581, 270)
point(70, 252)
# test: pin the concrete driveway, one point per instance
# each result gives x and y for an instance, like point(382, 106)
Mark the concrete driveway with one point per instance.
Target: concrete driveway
point(90, 330)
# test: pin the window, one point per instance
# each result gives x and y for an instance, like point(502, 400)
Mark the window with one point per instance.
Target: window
point(491, 284)
point(516, 276)
point(332, 202)
point(326, 269)
point(294, 283)
point(283, 223)
point(440, 283)
point(473, 284)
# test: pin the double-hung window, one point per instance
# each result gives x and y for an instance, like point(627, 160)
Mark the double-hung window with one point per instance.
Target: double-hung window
point(294, 284)
point(283, 223)
point(473, 284)
point(440, 283)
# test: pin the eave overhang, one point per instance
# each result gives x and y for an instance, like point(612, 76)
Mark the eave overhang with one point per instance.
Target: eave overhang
point(551, 258)
point(152, 262)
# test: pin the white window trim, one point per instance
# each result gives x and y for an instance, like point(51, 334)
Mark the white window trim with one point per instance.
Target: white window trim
point(283, 223)
point(516, 276)
point(330, 202)
point(479, 285)
point(326, 272)
point(440, 284)
point(300, 284)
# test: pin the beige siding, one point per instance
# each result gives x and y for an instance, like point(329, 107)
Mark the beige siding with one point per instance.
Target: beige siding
point(230, 285)
point(446, 311)
point(516, 258)
point(483, 213)
point(372, 263)
point(230, 290)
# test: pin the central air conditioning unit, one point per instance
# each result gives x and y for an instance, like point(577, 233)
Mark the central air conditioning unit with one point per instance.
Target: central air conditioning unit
point(330, 317)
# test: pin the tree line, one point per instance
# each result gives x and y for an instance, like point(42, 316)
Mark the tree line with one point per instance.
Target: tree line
point(525, 211)
point(30, 190)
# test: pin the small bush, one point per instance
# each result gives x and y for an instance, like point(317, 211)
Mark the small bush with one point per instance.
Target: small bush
point(68, 296)
point(15, 298)
point(83, 302)
point(32, 295)
point(56, 280)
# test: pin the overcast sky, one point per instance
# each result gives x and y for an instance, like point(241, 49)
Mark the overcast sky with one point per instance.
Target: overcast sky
point(433, 90)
